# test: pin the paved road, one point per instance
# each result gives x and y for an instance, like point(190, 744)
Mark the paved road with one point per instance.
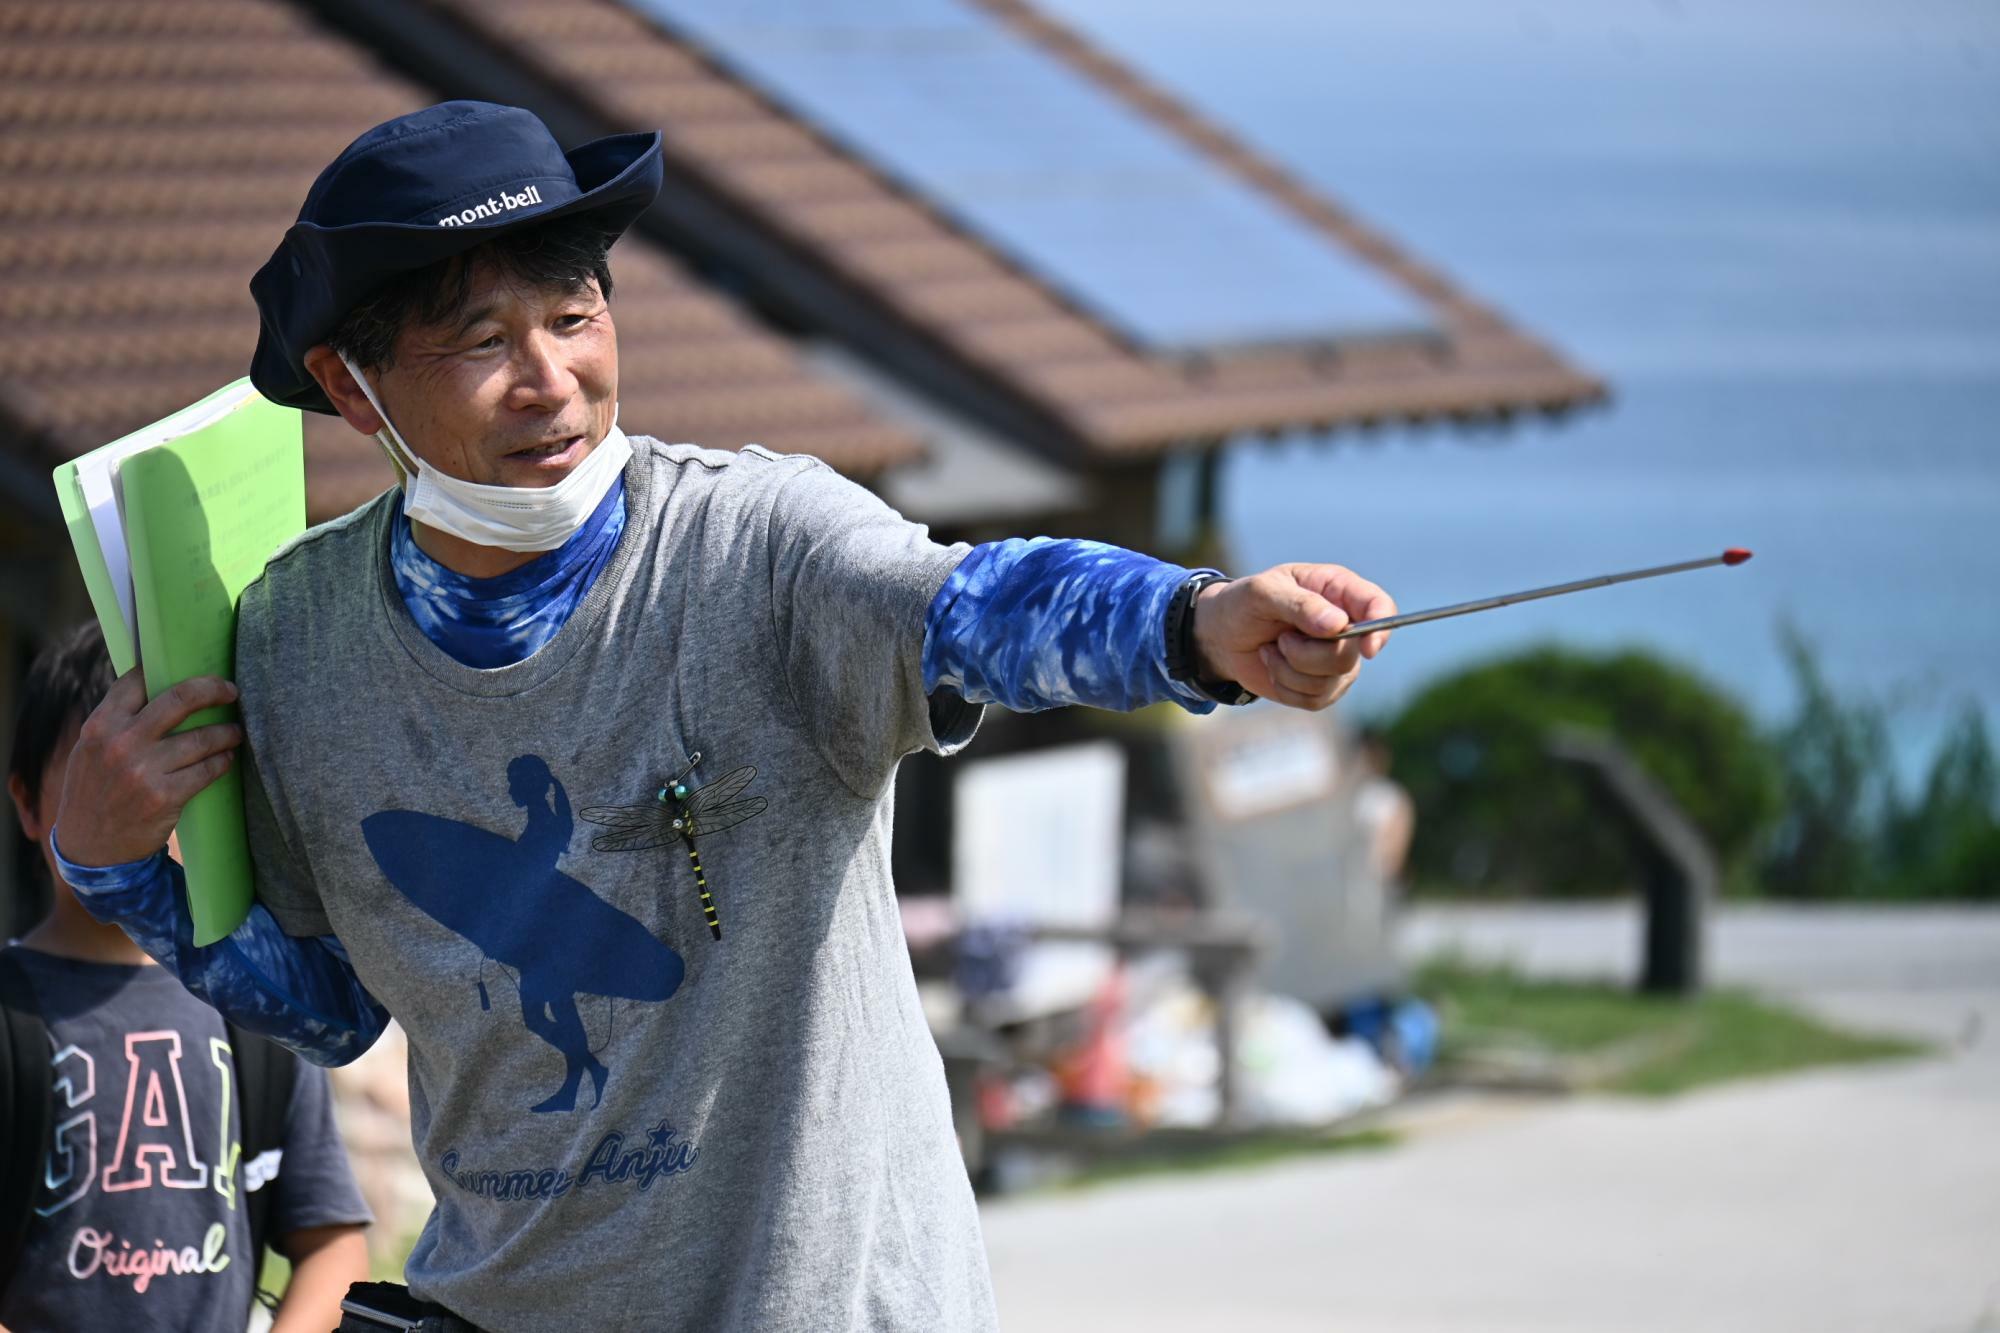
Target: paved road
point(1862, 1199)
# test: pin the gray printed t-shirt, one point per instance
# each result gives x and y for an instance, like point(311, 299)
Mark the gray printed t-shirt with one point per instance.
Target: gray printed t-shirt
point(141, 1221)
point(628, 1123)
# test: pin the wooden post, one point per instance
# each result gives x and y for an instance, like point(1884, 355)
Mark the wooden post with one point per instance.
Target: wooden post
point(1677, 868)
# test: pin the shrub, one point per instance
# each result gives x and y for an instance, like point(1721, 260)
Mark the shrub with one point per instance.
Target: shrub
point(1495, 813)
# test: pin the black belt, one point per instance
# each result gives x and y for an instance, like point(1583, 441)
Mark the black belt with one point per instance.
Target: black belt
point(370, 1307)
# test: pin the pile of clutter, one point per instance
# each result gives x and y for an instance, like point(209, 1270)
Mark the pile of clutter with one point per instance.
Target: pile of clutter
point(1143, 1053)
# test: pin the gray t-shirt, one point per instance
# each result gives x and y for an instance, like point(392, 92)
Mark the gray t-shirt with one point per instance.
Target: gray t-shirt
point(629, 1123)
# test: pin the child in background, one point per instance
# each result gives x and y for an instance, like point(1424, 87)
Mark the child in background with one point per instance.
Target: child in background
point(171, 1147)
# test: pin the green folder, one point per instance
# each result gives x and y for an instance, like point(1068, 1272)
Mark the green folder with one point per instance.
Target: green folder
point(170, 524)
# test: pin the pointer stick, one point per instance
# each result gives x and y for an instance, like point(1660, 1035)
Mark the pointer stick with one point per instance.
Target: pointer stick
point(1735, 555)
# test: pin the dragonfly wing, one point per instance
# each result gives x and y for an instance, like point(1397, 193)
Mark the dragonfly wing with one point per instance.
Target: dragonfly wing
point(622, 816)
point(633, 827)
point(721, 791)
point(632, 840)
point(728, 816)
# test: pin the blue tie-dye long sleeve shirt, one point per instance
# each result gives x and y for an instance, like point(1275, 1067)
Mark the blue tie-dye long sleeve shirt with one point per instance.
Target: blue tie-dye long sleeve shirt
point(301, 992)
point(1027, 624)
point(1043, 623)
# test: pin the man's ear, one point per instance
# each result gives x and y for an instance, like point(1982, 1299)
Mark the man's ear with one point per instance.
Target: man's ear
point(24, 809)
point(337, 383)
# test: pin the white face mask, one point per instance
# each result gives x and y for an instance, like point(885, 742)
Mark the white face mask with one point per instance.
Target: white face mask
point(513, 518)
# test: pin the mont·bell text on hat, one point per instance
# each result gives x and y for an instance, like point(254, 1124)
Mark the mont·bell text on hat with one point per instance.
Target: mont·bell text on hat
point(493, 207)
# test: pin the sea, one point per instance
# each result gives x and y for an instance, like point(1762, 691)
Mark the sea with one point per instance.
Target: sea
point(1772, 225)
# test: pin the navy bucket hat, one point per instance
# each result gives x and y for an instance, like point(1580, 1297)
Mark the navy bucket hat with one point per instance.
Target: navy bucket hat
point(421, 188)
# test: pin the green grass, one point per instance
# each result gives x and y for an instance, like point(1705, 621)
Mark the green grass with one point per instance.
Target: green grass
point(1645, 1045)
point(1257, 1150)
point(389, 1267)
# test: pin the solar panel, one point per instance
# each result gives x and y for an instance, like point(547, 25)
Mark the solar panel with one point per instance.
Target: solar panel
point(1090, 196)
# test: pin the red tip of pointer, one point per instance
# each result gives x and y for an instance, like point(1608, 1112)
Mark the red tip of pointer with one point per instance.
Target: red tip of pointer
point(1735, 555)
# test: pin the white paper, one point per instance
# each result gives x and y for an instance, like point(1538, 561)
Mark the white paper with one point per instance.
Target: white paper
point(97, 477)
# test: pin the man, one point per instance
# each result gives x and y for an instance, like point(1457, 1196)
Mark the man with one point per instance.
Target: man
point(170, 1151)
point(1383, 811)
point(576, 754)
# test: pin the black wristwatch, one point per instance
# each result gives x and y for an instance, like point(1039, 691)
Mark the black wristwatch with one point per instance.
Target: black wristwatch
point(1182, 660)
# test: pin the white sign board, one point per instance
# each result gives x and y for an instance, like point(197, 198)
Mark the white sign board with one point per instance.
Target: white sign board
point(1037, 840)
point(1263, 774)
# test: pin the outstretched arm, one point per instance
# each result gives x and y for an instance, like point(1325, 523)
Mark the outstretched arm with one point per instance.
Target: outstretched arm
point(1033, 624)
point(1040, 623)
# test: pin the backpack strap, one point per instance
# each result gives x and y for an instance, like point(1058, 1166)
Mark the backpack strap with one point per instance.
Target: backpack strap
point(27, 1109)
point(265, 1074)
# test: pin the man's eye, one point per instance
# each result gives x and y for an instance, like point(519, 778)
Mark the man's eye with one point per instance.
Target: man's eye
point(571, 321)
point(486, 344)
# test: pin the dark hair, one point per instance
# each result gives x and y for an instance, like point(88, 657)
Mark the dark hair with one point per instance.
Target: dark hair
point(567, 254)
point(65, 684)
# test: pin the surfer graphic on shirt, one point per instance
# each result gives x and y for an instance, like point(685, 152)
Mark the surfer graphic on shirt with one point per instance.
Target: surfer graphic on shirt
point(507, 897)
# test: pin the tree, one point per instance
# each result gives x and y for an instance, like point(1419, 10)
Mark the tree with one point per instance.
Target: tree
point(1839, 788)
point(1496, 813)
point(1947, 844)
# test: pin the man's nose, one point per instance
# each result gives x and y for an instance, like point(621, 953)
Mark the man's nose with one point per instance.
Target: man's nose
point(542, 376)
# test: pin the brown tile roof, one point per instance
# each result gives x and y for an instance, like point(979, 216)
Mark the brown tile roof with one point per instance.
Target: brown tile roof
point(903, 253)
point(153, 154)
